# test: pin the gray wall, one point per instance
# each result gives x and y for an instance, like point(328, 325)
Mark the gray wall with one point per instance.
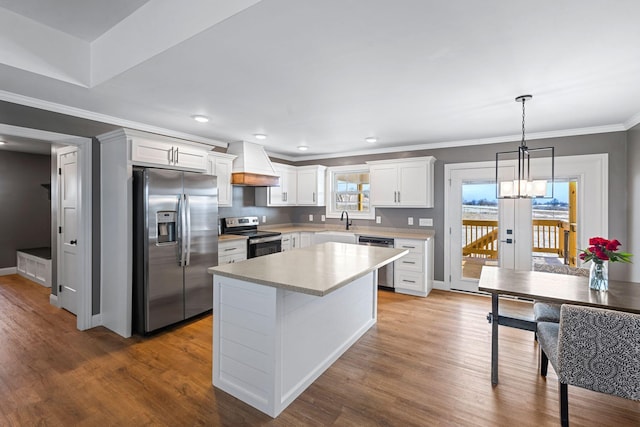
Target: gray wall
point(633, 192)
point(615, 144)
point(26, 212)
point(244, 205)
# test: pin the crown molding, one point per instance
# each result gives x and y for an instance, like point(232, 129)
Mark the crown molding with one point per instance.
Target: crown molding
point(462, 143)
point(90, 115)
point(632, 121)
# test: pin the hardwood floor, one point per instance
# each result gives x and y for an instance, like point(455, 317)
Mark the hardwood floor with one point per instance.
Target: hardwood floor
point(426, 362)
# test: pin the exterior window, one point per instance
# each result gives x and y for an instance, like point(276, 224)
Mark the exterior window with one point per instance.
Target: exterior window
point(349, 189)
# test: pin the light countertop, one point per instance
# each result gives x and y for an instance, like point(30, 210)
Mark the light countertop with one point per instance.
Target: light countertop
point(396, 233)
point(315, 270)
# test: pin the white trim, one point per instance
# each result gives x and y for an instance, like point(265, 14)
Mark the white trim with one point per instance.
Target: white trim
point(329, 212)
point(90, 115)
point(85, 286)
point(440, 284)
point(592, 171)
point(462, 143)
point(96, 320)
point(8, 270)
point(632, 121)
point(53, 300)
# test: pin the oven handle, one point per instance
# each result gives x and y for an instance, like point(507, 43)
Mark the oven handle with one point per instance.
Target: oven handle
point(255, 241)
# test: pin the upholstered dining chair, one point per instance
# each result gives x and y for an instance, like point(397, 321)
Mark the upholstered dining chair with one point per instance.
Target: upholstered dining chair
point(550, 312)
point(592, 348)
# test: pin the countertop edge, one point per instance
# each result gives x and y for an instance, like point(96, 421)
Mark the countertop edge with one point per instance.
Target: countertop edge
point(304, 290)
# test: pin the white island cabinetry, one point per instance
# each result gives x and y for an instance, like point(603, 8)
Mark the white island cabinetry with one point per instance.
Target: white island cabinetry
point(277, 328)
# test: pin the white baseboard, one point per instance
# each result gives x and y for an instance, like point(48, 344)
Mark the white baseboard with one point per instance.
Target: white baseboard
point(53, 300)
point(96, 320)
point(439, 284)
point(7, 271)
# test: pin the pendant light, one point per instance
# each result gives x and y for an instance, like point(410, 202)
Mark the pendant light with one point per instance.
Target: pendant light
point(524, 186)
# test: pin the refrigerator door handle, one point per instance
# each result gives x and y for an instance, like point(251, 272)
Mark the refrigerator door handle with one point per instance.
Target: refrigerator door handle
point(187, 205)
point(181, 231)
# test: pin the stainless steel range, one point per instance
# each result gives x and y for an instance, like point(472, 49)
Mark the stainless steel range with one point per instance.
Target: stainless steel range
point(260, 242)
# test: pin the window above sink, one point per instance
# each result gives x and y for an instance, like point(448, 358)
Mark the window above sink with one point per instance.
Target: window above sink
point(349, 189)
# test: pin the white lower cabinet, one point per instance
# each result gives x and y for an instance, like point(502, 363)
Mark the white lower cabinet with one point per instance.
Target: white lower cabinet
point(231, 251)
point(305, 239)
point(413, 273)
point(290, 241)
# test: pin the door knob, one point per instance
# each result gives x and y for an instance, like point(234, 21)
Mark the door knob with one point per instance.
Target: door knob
point(507, 241)
point(73, 242)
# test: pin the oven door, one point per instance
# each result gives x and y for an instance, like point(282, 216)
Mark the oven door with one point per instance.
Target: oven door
point(264, 246)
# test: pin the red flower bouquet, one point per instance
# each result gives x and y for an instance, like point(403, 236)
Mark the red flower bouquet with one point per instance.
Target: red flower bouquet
point(601, 249)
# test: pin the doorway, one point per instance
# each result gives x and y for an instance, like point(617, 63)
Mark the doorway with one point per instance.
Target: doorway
point(481, 230)
point(83, 264)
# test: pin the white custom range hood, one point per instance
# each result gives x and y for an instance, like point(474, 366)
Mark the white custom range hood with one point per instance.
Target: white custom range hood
point(252, 166)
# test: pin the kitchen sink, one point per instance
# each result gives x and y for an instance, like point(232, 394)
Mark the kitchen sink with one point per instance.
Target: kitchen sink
point(335, 236)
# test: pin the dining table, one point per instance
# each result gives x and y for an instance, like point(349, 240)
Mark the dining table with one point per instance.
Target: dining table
point(548, 287)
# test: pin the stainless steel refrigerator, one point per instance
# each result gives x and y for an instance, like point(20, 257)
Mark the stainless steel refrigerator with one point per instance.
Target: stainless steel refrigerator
point(175, 231)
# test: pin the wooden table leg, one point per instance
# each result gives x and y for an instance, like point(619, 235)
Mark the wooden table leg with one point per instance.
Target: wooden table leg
point(494, 338)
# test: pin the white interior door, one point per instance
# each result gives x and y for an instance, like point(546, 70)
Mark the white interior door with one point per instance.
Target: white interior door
point(68, 274)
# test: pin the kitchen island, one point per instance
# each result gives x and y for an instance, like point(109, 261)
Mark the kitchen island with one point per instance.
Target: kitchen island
point(281, 320)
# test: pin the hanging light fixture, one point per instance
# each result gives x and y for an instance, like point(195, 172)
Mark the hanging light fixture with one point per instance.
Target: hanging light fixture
point(524, 186)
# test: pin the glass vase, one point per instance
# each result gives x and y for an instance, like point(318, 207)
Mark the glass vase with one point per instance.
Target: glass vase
point(599, 276)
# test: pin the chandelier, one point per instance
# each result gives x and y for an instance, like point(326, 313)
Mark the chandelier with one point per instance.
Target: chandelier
point(524, 186)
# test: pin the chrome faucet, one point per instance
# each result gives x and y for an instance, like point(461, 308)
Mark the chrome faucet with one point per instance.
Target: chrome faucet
point(342, 218)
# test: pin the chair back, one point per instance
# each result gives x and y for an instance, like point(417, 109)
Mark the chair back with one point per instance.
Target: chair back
point(600, 350)
point(562, 269)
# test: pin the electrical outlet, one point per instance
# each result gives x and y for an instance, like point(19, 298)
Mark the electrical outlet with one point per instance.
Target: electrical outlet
point(264, 219)
point(378, 220)
point(426, 222)
point(410, 222)
point(322, 218)
point(310, 217)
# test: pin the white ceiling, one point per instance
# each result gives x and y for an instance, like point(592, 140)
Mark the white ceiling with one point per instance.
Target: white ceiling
point(327, 74)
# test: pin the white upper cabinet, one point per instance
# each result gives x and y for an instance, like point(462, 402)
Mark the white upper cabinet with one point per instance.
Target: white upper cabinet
point(285, 194)
point(220, 165)
point(402, 183)
point(150, 152)
point(311, 182)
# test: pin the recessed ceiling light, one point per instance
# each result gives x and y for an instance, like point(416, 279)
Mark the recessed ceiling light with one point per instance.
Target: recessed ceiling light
point(200, 119)
point(303, 147)
point(371, 139)
point(260, 135)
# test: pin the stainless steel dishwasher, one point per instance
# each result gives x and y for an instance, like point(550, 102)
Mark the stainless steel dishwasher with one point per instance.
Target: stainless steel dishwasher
point(385, 273)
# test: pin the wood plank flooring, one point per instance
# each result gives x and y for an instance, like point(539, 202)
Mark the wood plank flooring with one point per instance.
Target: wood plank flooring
point(425, 363)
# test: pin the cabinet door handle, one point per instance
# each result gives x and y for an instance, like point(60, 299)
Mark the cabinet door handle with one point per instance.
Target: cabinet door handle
point(408, 281)
point(230, 249)
point(314, 197)
point(408, 262)
point(398, 197)
point(177, 155)
point(395, 197)
point(408, 247)
point(170, 155)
